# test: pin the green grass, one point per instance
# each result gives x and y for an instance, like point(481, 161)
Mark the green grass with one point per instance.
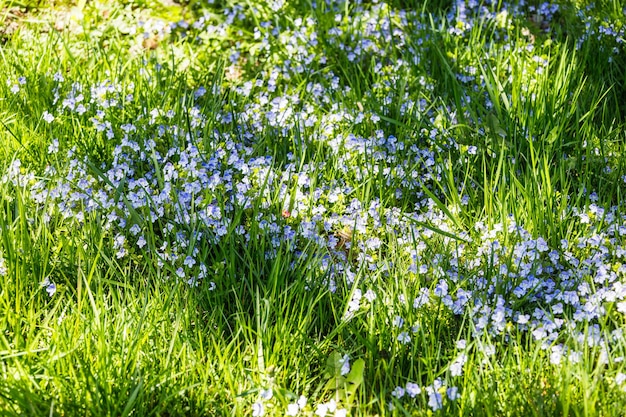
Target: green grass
point(382, 208)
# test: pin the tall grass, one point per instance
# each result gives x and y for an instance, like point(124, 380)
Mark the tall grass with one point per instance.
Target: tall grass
point(312, 208)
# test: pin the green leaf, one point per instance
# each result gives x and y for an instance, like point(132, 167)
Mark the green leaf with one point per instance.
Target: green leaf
point(334, 364)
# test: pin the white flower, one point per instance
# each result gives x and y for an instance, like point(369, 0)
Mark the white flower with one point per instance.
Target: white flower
point(302, 402)
point(258, 409)
point(48, 117)
point(331, 405)
point(456, 368)
point(321, 410)
point(266, 394)
point(370, 295)
point(292, 409)
point(556, 355)
point(489, 350)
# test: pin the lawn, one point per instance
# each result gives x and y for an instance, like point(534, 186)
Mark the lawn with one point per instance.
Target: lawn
point(312, 208)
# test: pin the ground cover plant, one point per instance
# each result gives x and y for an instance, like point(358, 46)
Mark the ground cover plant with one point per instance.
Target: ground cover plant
point(321, 208)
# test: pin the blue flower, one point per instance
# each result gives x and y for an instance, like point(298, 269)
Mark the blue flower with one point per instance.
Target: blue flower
point(48, 117)
point(50, 286)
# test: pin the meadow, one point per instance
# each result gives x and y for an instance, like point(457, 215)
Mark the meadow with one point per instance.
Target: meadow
point(312, 208)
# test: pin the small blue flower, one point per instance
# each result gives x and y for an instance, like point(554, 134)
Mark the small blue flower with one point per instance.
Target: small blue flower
point(258, 409)
point(189, 261)
point(453, 393)
point(404, 338)
point(53, 147)
point(345, 364)
point(398, 392)
point(413, 389)
point(48, 117)
point(435, 401)
point(51, 287)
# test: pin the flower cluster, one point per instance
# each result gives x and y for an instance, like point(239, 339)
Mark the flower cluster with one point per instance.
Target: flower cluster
point(283, 162)
point(437, 393)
